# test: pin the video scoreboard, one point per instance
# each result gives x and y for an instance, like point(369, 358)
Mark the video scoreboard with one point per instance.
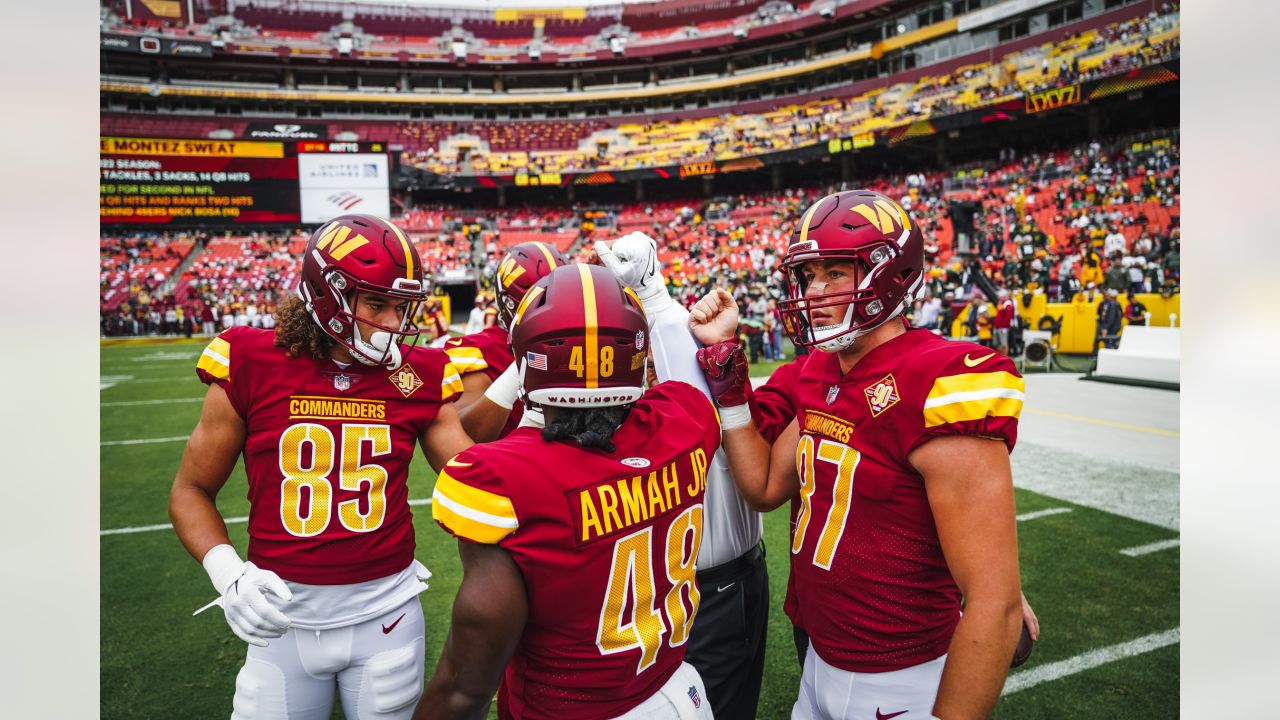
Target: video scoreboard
point(195, 182)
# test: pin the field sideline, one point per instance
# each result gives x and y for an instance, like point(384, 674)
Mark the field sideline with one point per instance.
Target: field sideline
point(1105, 586)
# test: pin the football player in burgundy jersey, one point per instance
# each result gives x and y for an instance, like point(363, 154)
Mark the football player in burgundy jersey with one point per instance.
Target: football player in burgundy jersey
point(579, 540)
point(490, 406)
point(326, 411)
point(773, 407)
point(899, 458)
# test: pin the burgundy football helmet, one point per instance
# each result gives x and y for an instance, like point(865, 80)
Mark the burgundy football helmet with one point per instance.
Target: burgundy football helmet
point(522, 266)
point(579, 339)
point(362, 253)
point(871, 231)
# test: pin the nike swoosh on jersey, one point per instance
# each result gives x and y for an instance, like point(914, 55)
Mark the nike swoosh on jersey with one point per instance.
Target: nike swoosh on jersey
point(970, 362)
point(453, 341)
point(883, 716)
point(722, 588)
point(454, 463)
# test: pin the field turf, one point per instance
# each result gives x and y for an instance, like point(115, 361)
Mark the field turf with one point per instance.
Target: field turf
point(157, 661)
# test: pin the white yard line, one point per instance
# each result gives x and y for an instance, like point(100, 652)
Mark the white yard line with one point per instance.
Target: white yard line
point(170, 379)
point(1042, 513)
point(229, 521)
point(1087, 661)
point(1152, 547)
point(127, 403)
point(144, 441)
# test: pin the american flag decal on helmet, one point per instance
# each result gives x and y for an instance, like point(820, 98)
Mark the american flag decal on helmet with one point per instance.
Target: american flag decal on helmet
point(537, 361)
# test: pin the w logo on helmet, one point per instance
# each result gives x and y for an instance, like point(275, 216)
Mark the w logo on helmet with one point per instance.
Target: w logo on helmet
point(508, 271)
point(337, 239)
point(881, 213)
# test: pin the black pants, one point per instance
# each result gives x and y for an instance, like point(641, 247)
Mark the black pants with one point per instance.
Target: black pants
point(726, 644)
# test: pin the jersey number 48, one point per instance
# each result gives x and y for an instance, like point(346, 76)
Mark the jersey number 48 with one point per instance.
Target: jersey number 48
point(631, 585)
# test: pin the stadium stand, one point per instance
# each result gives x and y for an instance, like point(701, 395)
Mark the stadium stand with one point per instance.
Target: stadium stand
point(1043, 229)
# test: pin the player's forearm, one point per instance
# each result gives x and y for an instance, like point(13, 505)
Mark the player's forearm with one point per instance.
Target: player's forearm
point(978, 659)
point(448, 697)
point(483, 419)
point(748, 456)
point(196, 520)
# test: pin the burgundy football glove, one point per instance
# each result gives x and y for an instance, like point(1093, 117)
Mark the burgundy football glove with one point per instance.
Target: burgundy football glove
point(725, 367)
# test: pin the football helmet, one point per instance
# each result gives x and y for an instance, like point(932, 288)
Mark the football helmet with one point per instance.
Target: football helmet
point(362, 253)
point(878, 236)
point(579, 339)
point(522, 266)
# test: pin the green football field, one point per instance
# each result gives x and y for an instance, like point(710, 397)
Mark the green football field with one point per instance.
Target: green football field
point(1109, 644)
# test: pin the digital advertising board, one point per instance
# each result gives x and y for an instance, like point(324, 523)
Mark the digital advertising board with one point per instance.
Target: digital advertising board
point(219, 183)
point(196, 182)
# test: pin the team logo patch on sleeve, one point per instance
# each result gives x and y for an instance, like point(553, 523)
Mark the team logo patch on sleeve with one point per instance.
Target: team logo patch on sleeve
point(882, 395)
point(405, 380)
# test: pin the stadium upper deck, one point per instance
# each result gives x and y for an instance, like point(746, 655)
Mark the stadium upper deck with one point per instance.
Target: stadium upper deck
point(887, 107)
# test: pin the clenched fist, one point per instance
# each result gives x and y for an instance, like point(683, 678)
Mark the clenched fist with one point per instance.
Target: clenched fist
point(714, 318)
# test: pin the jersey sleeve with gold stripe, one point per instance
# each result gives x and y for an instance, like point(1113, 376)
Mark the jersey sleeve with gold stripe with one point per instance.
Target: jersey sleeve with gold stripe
point(976, 392)
point(486, 351)
point(470, 502)
point(221, 362)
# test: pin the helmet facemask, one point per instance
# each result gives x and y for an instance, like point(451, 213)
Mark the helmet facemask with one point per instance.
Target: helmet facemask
point(336, 301)
point(865, 310)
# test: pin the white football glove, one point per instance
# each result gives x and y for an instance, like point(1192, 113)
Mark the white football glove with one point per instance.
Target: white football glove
point(633, 259)
point(242, 586)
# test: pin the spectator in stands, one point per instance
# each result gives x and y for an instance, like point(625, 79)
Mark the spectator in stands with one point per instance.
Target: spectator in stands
point(1109, 320)
point(1002, 322)
point(1134, 311)
point(207, 320)
point(928, 312)
point(1114, 242)
point(170, 326)
point(1117, 275)
point(1090, 266)
point(773, 331)
point(1137, 275)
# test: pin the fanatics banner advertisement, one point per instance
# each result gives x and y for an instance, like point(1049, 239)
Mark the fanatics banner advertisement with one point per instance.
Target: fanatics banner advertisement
point(196, 182)
point(285, 131)
point(333, 184)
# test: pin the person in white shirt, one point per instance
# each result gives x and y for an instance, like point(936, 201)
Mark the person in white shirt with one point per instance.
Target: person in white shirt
point(1114, 242)
point(930, 309)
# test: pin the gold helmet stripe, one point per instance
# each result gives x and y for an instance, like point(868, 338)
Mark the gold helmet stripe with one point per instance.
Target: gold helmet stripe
point(591, 323)
point(550, 259)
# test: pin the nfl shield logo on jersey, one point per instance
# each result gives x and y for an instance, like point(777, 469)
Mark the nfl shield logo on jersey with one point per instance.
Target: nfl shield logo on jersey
point(882, 395)
point(693, 695)
point(832, 393)
point(341, 383)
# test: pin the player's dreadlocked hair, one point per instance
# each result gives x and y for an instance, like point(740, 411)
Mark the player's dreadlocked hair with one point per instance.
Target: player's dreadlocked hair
point(589, 427)
point(297, 332)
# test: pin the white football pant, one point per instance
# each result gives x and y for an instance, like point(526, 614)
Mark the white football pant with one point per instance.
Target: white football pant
point(829, 693)
point(682, 697)
point(376, 667)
